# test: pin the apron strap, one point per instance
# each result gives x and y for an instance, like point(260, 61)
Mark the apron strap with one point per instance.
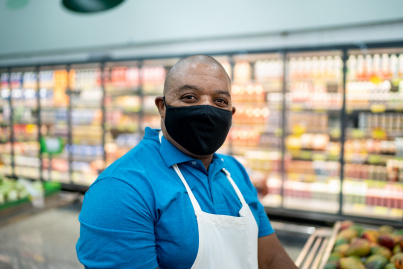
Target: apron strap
point(195, 204)
point(238, 192)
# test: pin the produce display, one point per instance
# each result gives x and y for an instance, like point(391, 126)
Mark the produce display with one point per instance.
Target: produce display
point(358, 247)
point(14, 190)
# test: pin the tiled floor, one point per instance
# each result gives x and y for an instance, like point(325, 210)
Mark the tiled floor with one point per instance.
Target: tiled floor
point(47, 240)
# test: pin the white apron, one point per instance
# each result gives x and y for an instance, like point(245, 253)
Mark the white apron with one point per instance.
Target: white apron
point(224, 241)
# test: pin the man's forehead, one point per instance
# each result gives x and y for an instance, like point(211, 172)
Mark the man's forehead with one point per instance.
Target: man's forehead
point(191, 66)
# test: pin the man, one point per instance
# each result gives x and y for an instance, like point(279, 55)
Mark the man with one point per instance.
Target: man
point(172, 202)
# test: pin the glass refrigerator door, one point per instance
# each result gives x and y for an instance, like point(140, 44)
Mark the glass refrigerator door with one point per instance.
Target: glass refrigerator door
point(153, 74)
point(86, 97)
point(255, 136)
point(54, 121)
point(5, 132)
point(25, 124)
point(123, 109)
point(312, 138)
point(373, 173)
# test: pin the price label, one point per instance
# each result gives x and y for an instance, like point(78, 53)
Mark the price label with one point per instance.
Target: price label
point(30, 128)
point(378, 108)
point(360, 207)
point(357, 133)
point(399, 107)
point(278, 132)
point(52, 145)
point(349, 110)
point(375, 79)
point(380, 210)
point(319, 109)
point(296, 107)
point(298, 129)
point(305, 155)
point(319, 157)
point(379, 134)
point(374, 159)
point(396, 212)
point(335, 133)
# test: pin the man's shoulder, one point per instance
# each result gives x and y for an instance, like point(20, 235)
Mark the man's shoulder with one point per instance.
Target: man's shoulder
point(134, 164)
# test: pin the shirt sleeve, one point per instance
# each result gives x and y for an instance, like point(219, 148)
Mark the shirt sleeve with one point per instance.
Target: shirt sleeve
point(116, 227)
point(265, 227)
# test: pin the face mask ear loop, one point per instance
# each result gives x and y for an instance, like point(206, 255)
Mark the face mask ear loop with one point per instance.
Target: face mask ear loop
point(163, 99)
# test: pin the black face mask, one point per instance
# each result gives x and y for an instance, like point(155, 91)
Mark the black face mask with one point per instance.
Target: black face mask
point(200, 129)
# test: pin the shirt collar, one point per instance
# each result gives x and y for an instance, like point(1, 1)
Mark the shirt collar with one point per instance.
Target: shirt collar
point(169, 153)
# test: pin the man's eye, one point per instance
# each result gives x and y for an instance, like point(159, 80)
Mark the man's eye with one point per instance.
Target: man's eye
point(189, 98)
point(221, 101)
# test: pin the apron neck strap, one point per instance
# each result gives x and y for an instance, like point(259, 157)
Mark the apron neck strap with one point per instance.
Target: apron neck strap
point(195, 204)
point(238, 192)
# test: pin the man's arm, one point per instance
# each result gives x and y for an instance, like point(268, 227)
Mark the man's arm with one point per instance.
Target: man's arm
point(271, 254)
point(117, 228)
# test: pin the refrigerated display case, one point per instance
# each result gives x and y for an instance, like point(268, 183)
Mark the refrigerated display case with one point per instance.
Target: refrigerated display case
point(5, 125)
point(312, 134)
point(122, 108)
point(255, 136)
point(54, 103)
point(130, 91)
point(373, 170)
point(152, 77)
point(23, 85)
point(86, 104)
point(319, 131)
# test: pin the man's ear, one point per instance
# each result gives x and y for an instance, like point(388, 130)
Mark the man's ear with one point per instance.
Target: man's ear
point(159, 102)
point(233, 110)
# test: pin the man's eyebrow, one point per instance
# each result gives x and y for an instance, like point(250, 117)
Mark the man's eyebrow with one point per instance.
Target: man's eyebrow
point(192, 87)
point(187, 87)
point(223, 92)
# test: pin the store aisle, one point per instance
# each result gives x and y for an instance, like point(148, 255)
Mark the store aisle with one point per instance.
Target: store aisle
point(46, 240)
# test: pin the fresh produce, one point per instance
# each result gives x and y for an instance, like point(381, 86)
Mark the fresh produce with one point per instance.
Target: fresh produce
point(356, 247)
point(376, 261)
point(359, 247)
point(382, 251)
point(13, 190)
point(350, 263)
point(342, 249)
point(386, 240)
point(370, 235)
point(347, 234)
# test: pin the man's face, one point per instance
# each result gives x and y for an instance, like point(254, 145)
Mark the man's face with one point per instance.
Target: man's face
point(200, 84)
point(196, 84)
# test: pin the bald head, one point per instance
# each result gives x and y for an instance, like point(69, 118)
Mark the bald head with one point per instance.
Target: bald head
point(192, 62)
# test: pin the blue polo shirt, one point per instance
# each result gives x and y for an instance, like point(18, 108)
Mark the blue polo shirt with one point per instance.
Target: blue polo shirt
point(137, 214)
